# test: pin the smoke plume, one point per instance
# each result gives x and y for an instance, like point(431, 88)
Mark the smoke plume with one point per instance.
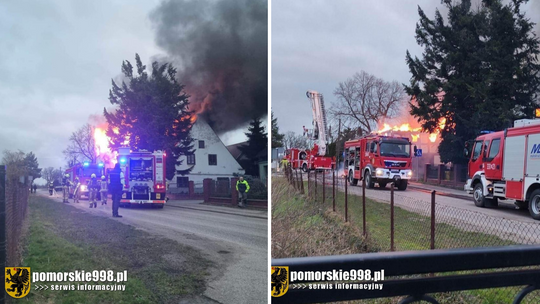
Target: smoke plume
point(220, 49)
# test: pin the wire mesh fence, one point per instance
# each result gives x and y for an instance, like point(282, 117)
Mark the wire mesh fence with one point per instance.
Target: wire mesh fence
point(394, 221)
point(15, 196)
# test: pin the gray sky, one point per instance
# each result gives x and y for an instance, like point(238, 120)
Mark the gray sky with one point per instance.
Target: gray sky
point(57, 59)
point(317, 44)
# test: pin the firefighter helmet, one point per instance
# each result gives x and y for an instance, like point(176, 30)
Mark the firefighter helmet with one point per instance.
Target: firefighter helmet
point(103, 177)
point(93, 175)
point(67, 175)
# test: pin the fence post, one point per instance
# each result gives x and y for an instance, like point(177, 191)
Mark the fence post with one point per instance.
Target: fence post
point(364, 205)
point(297, 180)
point(2, 222)
point(206, 189)
point(433, 219)
point(392, 217)
point(308, 185)
point(346, 205)
point(334, 190)
point(455, 168)
point(323, 187)
point(426, 170)
point(302, 182)
point(315, 184)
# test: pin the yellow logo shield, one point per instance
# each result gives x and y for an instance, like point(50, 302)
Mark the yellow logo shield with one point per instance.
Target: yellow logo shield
point(280, 280)
point(18, 281)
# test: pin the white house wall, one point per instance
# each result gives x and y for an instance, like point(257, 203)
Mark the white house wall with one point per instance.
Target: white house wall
point(226, 164)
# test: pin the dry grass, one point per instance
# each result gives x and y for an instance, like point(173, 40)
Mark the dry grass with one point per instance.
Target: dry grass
point(301, 227)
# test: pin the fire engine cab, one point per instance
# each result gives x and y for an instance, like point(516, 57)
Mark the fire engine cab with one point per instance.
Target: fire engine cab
point(143, 177)
point(506, 165)
point(84, 171)
point(379, 159)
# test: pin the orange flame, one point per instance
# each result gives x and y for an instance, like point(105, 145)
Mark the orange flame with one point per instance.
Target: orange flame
point(407, 128)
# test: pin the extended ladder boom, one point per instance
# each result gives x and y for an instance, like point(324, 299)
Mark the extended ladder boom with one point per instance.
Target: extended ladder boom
point(319, 119)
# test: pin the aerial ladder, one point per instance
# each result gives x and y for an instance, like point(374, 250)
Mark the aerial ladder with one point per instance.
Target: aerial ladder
point(313, 159)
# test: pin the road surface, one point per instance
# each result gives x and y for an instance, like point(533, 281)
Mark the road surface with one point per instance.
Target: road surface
point(236, 240)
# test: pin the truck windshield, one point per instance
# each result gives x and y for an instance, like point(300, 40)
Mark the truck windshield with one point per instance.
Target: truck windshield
point(141, 169)
point(394, 149)
point(88, 171)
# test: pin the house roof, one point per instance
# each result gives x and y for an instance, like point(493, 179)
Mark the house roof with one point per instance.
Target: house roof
point(235, 149)
point(237, 154)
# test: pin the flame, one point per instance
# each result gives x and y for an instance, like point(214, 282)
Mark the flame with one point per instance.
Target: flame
point(406, 127)
point(103, 151)
point(403, 128)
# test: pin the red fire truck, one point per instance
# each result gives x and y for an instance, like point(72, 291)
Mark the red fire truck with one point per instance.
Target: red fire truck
point(506, 165)
point(143, 177)
point(379, 159)
point(84, 171)
point(308, 159)
point(313, 159)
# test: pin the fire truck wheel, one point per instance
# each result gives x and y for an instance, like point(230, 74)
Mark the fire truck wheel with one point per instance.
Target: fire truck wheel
point(480, 200)
point(382, 185)
point(158, 206)
point(534, 204)
point(402, 185)
point(352, 181)
point(369, 181)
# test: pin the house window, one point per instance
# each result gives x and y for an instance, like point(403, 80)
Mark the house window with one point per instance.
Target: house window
point(212, 159)
point(191, 159)
point(182, 182)
point(201, 144)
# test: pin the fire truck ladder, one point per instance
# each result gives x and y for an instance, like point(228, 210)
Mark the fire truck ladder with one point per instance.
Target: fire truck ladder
point(319, 117)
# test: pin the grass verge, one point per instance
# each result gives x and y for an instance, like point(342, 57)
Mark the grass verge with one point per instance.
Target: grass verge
point(62, 238)
point(412, 232)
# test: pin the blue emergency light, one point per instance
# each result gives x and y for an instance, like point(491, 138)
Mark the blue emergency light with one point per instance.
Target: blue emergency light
point(86, 164)
point(486, 132)
point(123, 160)
point(100, 164)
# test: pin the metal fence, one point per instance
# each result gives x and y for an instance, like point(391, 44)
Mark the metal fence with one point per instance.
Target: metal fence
point(220, 187)
point(14, 193)
point(394, 221)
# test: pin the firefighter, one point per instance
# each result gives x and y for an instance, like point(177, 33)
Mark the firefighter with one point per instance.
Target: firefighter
point(77, 191)
point(66, 183)
point(51, 188)
point(284, 163)
point(103, 190)
point(115, 188)
point(93, 189)
point(242, 187)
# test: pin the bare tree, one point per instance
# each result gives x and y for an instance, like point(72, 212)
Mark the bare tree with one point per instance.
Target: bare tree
point(81, 146)
point(48, 174)
point(365, 100)
point(293, 140)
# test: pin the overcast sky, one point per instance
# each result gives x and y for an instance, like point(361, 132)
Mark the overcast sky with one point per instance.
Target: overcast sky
point(57, 59)
point(317, 44)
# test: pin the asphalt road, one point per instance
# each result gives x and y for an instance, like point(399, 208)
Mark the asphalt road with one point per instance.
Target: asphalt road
point(236, 240)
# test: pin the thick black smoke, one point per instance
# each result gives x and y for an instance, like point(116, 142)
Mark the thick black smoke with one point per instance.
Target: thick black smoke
point(220, 48)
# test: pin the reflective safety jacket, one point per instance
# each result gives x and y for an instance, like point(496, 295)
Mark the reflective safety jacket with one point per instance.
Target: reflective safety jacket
point(242, 186)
